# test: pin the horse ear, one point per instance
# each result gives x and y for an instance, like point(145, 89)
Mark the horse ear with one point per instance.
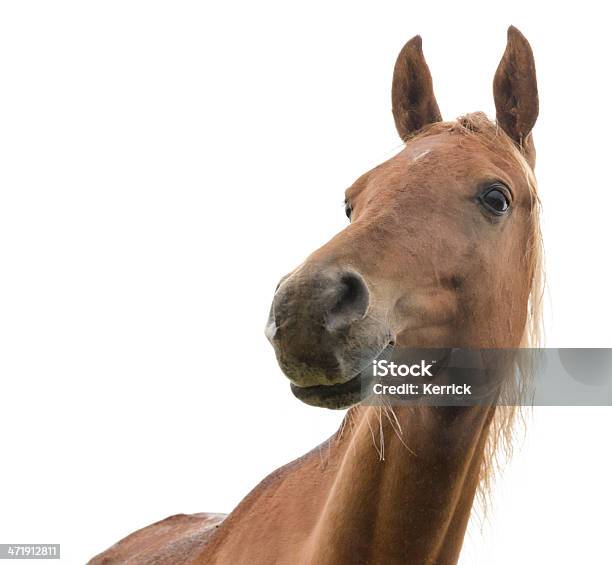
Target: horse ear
point(413, 101)
point(515, 90)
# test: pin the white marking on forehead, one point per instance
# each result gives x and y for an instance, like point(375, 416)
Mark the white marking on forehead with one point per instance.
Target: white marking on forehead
point(422, 154)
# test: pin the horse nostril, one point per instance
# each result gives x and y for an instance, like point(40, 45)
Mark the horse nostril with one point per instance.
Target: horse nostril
point(351, 301)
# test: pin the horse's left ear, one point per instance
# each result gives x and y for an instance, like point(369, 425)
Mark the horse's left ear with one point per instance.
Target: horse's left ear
point(515, 90)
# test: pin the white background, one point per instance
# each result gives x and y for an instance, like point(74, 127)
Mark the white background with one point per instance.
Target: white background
point(162, 164)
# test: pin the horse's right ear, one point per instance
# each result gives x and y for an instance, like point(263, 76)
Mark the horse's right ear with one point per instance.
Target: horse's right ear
point(515, 91)
point(413, 101)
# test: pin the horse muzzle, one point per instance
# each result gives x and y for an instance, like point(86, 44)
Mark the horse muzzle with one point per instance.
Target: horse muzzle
point(323, 334)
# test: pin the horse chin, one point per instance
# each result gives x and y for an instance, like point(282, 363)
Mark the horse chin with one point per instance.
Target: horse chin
point(343, 395)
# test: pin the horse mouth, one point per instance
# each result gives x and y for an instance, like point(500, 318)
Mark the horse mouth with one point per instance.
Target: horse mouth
point(343, 395)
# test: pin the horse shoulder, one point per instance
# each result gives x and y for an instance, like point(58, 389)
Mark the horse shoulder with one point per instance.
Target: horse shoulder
point(174, 541)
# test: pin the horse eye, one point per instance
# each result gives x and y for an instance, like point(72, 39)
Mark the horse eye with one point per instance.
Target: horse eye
point(348, 210)
point(496, 200)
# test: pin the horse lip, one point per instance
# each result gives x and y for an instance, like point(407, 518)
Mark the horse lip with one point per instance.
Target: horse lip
point(326, 395)
point(324, 392)
point(387, 348)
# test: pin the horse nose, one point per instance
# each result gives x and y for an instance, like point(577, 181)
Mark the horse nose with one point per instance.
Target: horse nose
point(311, 320)
point(328, 300)
point(349, 302)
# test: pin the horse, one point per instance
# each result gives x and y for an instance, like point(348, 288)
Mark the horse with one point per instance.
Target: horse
point(443, 249)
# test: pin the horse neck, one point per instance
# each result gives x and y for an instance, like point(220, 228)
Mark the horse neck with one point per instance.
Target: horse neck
point(403, 487)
